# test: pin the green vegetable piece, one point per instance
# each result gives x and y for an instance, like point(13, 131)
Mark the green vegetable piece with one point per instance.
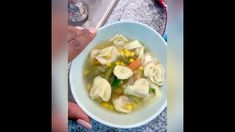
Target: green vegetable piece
point(151, 90)
point(116, 83)
point(125, 60)
point(108, 73)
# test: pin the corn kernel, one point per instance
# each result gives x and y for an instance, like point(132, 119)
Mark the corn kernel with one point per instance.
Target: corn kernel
point(127, 54)
point(129, 106)
point(141, 68)
point(105, 105)
point(126, 51)
point(122, 53)
point(111, 107)
point(122, 63)
point(117, 63)
point(131, 60)
point(132, 54)
point(108, 64)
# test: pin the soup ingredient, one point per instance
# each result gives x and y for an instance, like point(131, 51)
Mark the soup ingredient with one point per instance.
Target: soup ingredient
point(107, 55)
point(135, 64)
point(94, 53)
point(158, 93)
point(118, 90)
point(133, 45)
point(101, 88)
point(96, 70)
point(155, 72)
point(148, 58)
point(123, 59)
point(151, 90)
point(106, 105)
point(119, 40)
point(122, 72)
point(153, 96)
point(140, 52)
point(140, 88)
point(108, 73)
point(123, 104)
point(116, 83)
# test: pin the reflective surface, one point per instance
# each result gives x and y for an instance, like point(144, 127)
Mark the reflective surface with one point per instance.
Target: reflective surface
point(92, 13)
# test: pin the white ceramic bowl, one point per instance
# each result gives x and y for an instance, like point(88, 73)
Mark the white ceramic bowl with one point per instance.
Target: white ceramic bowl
point(154, 42)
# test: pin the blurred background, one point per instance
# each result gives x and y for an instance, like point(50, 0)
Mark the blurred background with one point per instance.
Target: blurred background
point(164, 17)
point(175, 66)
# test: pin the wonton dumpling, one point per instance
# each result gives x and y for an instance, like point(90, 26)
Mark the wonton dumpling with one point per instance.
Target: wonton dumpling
point(157, 93)
point(133, 45)
point(121, 104)
point(119, 40)
point(122, 72)
point(94, 53)
point(107, 55)
point(100, 88)
point(148, 58)
point(139, 89)
point(155, 72)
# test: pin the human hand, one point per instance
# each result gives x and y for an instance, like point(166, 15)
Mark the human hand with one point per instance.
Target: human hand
point(76, 113)
point(78, 39)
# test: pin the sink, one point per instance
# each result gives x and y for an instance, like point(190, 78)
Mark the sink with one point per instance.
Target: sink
point(98, 12)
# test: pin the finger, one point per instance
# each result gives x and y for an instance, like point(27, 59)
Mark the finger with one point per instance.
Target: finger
point(84, 123)
point(75, 112)
point(74, 32)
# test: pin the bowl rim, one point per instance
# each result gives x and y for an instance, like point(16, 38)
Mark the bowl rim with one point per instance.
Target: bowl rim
point(107, 123)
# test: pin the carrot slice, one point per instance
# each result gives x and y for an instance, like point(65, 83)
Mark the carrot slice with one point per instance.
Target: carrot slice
point(135, 64)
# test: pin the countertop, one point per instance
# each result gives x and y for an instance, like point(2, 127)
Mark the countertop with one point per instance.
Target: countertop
point(145, 11)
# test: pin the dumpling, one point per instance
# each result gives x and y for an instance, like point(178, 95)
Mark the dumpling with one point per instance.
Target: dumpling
point(94, 53)
point(153, 96)
point(133, 45)
point(100, 88)
point(157, 94)
point(155, 72)
point(123, 104)
point(119, 40)
point(148, 58)
point(122, 72)
point(107, 55)
point(140, 52)
point(140, 88)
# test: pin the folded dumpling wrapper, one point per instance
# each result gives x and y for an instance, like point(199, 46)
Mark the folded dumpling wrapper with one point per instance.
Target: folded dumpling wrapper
point(120, 104)
point(140, 88)
point(148, 58)
point(133, 45)
point(100, 88)
point(155, 72)
point(156, 95)
point(122, 72)
point(108, 54)
point(119, 40)
point(94, 53)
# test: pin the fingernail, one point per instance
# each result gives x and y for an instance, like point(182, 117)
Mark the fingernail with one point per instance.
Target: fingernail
point(84, 123)
point(92, 30)
point(79, 28)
